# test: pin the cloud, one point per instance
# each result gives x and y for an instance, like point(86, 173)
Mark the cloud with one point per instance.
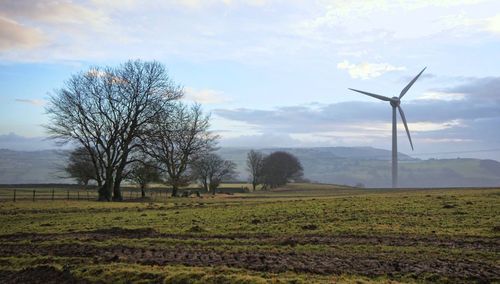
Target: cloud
point(459, 114)
point(62, 30)
point(13, 141)
point(487, 88)
point(14, 35)
point(473, 24)
point(493, 24)
point(365, 118)
point(205, 96)
point(446, 140)
point(442, 96)
point(367, 70)
point(55, 12)
point(432, 126)
point(319, 30)
point(259, 140)
point(199, 4)
point(35, 102)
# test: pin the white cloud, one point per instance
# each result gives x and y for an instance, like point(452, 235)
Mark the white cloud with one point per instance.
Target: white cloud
point(446, 140)
point(433, 126)
point(442, 96)
point(205, 96)
point(14, 35)
point(493, 24)
point(228, 29)
point(367, 70)
point(472, 24)
point(97, 73)
point(62, 12)
point(384, 128)
point(233, 129)
point(35, 102)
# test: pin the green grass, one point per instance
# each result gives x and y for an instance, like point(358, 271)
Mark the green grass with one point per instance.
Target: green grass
point(241, 222)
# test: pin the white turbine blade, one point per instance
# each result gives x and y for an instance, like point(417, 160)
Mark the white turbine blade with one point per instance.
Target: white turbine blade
point(372, 95)
point(406, 125)
point(403, 92)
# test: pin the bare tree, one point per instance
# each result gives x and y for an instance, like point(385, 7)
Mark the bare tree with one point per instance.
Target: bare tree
point(81, 168)
point(279, 168)
point(211, 170)
point(254, 166)
point(143, 173)
point(175, 139)
point(106, 110)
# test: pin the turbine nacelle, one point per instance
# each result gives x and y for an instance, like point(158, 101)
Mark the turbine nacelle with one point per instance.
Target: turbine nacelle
point(395, 101)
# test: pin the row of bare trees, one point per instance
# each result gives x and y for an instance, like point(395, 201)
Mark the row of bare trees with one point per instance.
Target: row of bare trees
point(128, 122)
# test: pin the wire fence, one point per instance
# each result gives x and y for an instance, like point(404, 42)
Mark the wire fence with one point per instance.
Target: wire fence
point(128, 194)
point(39, 194)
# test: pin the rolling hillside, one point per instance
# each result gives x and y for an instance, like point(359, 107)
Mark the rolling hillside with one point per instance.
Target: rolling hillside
point(339, 165)
point(372, 167)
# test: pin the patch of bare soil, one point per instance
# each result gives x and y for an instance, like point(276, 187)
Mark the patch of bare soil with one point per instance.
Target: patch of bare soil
point(477, 243)
point(304, 262)
point(490, 244)
point(39, 274)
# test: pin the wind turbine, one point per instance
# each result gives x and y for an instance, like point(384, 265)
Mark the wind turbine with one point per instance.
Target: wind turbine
point(395, 103)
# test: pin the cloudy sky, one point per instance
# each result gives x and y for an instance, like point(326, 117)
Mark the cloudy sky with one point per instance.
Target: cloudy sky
point(274, 73)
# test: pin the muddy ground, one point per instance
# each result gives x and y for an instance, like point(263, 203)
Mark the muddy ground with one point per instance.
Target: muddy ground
point(335, 261)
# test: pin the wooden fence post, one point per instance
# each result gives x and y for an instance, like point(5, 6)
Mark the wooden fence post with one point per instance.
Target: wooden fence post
point(68, 195)
point(88, 195)
point(34, 192)
point(78, 195)
point(52, 194)
point(14, 195)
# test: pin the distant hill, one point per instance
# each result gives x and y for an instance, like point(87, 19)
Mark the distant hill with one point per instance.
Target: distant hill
point(340, 165)
point(372, 167)
point(42, 166)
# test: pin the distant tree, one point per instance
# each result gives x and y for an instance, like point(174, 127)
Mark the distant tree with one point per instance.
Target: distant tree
point(359, 185)
point(175, 139)
point(279, 168)
point(106, 110)
point(254, 166)
point(143, 173)
point(211, 170)
point(81, 168)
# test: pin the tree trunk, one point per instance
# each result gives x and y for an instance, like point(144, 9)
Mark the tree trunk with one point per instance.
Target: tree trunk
point(254, 185)
point(175, 188)
point(117, 192)
point(212, 187)
point(143, 192)
point(102, 193)
point(205, 185)
point(105, 191)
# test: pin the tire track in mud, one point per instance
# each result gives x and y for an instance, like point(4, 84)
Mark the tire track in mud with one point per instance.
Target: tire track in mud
point(301, 262)
point(39, 275)
point(476, 243)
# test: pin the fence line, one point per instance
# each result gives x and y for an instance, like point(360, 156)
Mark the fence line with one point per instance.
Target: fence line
point(129, 194)
point(15, 194)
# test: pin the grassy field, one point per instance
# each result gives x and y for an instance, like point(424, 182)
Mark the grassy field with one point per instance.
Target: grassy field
point(297, 234)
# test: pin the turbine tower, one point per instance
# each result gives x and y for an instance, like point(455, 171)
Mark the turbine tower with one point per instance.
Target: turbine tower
point(395, 103)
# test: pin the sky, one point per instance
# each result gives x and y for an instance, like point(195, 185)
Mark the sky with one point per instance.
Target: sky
point(273, 73)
